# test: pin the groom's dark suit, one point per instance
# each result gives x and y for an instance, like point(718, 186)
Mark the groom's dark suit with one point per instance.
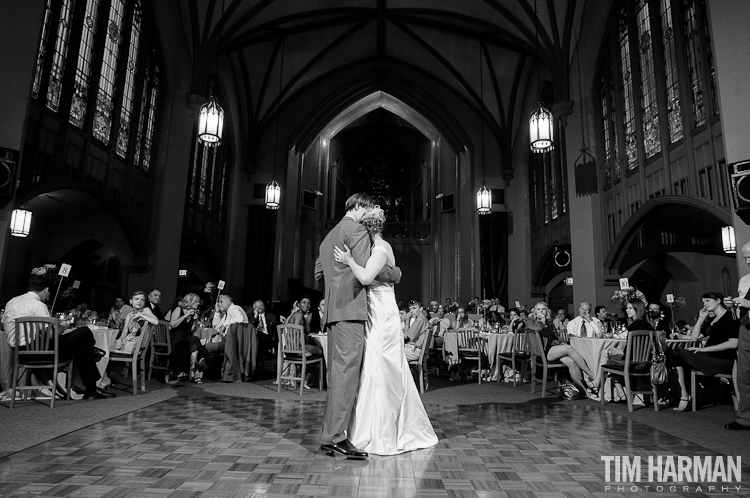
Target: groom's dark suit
point(344, 319)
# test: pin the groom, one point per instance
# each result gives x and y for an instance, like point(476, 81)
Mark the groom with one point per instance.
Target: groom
point(344, 319)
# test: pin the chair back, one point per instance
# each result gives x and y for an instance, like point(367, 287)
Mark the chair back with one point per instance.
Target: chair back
point(160, 334)
point(426, 349)
point(291, 339)
point(521, 342)
point(39, 335)
point(681, 344)
point(468, 339)
point(639, 348)
point(536, 349)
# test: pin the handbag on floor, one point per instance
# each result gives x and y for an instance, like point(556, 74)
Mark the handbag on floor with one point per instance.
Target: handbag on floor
point(658, 365)
point(570, 392)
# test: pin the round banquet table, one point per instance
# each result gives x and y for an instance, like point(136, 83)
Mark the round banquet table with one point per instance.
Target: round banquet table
point(493, 344)
point(591, 349)
point(323, 341)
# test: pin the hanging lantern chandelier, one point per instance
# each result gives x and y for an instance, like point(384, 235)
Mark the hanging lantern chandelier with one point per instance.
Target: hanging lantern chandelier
point(484, 195)
point(273, 190)
point(211, 121)
point(20, 222)
point(541, 121)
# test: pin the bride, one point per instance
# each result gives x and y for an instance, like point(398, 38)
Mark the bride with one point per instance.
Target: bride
point(388, 417)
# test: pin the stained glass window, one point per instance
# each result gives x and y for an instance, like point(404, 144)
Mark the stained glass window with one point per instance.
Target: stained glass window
point(123, 136)
point(710, 60)
point(83, 68)
point(142, 117)
point(605, 130)
point(151, 120)
point(616, 163)
point(674, 113)
point(42, 51)
point(108, 77)
point(631, 146)
point(649, 104)
point(58, 59)
point(552, 189)
point(545, 189)
point(695, 62)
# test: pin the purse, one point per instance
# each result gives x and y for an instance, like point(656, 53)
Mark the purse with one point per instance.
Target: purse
point(570, 391)
point(658, 366)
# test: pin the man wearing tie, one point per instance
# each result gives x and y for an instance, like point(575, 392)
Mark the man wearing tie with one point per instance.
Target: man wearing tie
point(584, 325)
point(742, 423)
point(265, 328)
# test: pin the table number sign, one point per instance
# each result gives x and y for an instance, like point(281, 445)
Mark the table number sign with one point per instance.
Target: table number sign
point(670, 298)
point(624, 284)
point(220, 285)
point(76, 284)
point(64, 270)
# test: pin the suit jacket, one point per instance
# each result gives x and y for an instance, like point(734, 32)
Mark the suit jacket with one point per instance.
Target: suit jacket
point(417, 332)
point(346, 299)
point(156, 310)
point(271, 323)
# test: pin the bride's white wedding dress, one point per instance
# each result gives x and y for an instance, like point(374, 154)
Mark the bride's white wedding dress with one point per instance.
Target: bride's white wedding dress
point(389, 417)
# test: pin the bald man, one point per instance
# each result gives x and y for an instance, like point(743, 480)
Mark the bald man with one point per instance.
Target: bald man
point(743, 350)
point(584, 325)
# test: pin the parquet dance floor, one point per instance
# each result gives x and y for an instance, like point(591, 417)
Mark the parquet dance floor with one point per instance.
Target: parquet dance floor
point(221, 446)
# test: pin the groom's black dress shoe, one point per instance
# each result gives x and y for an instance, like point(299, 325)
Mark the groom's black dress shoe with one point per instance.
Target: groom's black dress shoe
point(344, 448)
point(736, 426)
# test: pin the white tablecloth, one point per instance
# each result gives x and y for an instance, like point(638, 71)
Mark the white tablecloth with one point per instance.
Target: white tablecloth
point(591, 349)
point(493, 344)
point(323, 341)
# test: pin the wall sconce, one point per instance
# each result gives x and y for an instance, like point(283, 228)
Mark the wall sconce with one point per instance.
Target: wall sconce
point(20, 222)
point(728, 241)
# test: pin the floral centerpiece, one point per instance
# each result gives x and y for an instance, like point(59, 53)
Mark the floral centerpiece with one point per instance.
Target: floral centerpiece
point(679, 303)
point(622, 296)
point(45, 270)
point(213, 293)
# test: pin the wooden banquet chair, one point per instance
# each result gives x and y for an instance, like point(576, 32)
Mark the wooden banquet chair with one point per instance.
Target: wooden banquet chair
point(470, 349)
point(161, 348)
point(41, 352)
point(732, 377)
point(520, 352)
point(639, 351)
point(421, 363)
point(539, 360)
point(291, 352)
point(136, 358)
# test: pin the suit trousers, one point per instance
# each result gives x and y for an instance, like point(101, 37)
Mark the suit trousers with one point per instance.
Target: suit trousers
point(346, 341)
point(743, 376)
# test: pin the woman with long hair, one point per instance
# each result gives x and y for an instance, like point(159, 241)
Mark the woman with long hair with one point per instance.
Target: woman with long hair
point(720, 351)
point(184, 321)
point(635, 311)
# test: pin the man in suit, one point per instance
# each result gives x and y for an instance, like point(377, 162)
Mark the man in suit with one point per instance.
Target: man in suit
point(415, 332)
point(344, 318)
point(154, 298)
point(265, 328)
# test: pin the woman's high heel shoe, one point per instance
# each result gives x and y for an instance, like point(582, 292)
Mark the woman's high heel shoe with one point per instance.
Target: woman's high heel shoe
point(592, 387)
point(681, 407)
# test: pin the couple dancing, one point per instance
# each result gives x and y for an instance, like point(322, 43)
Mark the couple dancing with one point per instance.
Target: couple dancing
point(372, 403)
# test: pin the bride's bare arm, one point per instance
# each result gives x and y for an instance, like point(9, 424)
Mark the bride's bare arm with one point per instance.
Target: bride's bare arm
point(365, 274)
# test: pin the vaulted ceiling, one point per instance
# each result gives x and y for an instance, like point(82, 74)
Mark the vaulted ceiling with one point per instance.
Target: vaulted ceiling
point(428, 51)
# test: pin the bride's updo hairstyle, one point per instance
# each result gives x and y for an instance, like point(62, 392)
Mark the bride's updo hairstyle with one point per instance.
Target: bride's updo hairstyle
point(373, 220)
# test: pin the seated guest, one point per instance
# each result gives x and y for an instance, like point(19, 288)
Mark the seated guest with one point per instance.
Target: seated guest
point(440, 325)
point(265, 328)
point(303, 316)
point(461, 320)
point(433, 308)
point(77, 344)
point(584, 325)
point(450, 306)
point(415, 332)
point(515, 321)
point(154, 298)
point(473, 306)
point(316, 323)
point(655, 318)
point(139, 315)
point(635, 311)
point(239, 351)
point(601, 313)
point(541, 321)
point(117, 313)
point(183, 320)
point(560, 321)
point(718, 354)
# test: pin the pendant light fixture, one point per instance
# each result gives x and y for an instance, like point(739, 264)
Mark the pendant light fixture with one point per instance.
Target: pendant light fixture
point(20, 222)
point(541, 120)
point(273, 190)
point(211, 121)
point(484, 195)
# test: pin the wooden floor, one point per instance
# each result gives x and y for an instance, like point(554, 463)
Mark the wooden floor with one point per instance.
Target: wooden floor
point(223, 446)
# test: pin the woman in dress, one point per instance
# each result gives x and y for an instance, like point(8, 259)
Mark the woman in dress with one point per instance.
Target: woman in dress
point(185, 345)
point(720, 351)
point(636, 313)
point(389, 417)
point(134, 323)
